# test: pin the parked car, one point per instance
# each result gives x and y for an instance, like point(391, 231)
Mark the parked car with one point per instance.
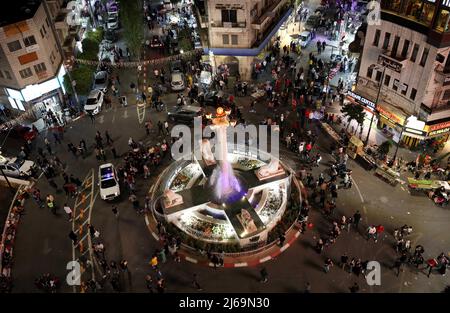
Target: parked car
point(108, 182)
point(94, 102)
point(101, 81)
point(177, 81)
point(19, 132)
point(184, 114)
point(216, 98)
point(156, 42)
point(304, 39)
point(17, 168)
point(176, 66)
point(312, 22)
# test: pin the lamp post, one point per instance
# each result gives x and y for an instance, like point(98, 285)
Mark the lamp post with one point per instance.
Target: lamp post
point(376, 103)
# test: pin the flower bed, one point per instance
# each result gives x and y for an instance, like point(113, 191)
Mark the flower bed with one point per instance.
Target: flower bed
point(184, 176)
point(202, 228)
point(250, 163)
point(272, 205)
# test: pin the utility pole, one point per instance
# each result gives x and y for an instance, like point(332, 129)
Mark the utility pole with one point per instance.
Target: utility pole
point(61, 51)
point(376, 104)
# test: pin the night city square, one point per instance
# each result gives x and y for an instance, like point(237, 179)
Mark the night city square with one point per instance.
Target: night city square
point(199, 147)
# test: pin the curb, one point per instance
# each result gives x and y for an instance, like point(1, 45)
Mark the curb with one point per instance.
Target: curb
point(272, 256)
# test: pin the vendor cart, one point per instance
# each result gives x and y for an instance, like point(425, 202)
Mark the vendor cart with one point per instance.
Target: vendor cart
point(387, 174)
point(355, 147)
point(424, 186)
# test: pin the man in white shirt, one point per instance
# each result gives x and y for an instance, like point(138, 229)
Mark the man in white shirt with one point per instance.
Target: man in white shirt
point(68, 210)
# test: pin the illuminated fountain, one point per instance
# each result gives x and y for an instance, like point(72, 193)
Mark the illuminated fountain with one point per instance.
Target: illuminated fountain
point(227, 197)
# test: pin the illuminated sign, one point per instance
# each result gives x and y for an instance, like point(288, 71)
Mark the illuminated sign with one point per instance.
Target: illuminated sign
point(361, 100)
point(439, 132)
point(390, 116)
point(440, 125)
point(390, 63)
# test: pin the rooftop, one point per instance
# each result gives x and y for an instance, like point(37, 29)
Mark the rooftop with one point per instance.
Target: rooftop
point(18, 10)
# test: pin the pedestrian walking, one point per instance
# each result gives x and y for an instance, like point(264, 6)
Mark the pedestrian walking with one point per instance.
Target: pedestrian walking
point(68, 211)
point(154, 261)
point(282, 239)
point(356, 219)
point(108, 138)
point(354, 288)
point(327, 265)
point(92, 117)
point(36, 194)
point(195, 282)
point(73, 237)
point(166, 126)
point(115, 211)
point(51, 204)
point(344, 261)
point(57, 140)
point(264, 275)
point(103, 154)
point(162, 255)
point(149, 283)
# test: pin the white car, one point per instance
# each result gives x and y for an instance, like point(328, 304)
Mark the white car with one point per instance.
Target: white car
point(94, 102)
point(304, 38)
point(108, 182)
point(17, 168)
point(177, 81)
point(112, 22)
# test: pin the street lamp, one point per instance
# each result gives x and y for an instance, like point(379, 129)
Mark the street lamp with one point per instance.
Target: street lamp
point(376, 103)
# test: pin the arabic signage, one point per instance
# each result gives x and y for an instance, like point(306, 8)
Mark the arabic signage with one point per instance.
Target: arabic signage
point(439, 132)
point(439, 126)
point(390, 63)
point(361, 100)
point(390, 116)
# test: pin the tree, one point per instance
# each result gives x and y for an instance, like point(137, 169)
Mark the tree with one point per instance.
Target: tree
point(133, 25)
point(82, 75)
point(353, 111)
point(90, 49)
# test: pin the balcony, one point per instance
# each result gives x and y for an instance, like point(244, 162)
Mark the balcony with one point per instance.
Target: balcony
point(228, 24)
point(442, 74)
point(269, 12)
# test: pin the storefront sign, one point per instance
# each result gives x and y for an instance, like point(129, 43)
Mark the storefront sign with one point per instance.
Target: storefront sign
point(414, 131)
point(361, 100)
point(390, 116)
point(440, 125)
point(439, 132)
point(390, 63)
point(32, 48)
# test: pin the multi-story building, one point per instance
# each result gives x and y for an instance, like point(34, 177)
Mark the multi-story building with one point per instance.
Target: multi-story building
point(31, 67)
point(240, 30)
point(406, 65)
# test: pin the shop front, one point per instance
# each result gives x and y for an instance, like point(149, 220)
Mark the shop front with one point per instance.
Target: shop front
point(390, 123)
point(368, 105)
point(413, 132)
point(438, 134)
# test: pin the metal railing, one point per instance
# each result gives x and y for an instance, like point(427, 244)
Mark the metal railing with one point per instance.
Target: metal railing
point(229, 24)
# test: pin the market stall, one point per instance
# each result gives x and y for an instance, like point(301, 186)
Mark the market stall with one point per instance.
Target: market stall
point(355, 147)
point(387, 174)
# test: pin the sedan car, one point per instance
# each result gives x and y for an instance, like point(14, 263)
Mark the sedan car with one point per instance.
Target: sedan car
point(101, 81)
point(156, 42)
point(108, 182)
point(94, 102)
point(177, 81)
point(16, 168)
point(184, 114)
point(304, 39)
point(20, 132)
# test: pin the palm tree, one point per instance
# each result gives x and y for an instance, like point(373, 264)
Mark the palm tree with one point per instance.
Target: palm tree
point(355, 112)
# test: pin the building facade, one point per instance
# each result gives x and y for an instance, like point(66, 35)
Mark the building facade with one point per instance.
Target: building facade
point(405, 64)
point(240, 30)
point(31, 65)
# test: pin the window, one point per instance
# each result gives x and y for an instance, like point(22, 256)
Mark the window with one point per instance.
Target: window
point(395, 46)
point(225, 39)
point(26, 73)
point(424, 57)
point(7, 74)
point(413, 93)
point(40, 68)
point(387, 38)
point(369, 72)
point(46, 21)
point(234, 39)
point(378, 76)
point(14, 45)
point(446, 95)
point(229, 16)
point(387, 80)
point(1, 75)
point(442, 20)
point(376, 38)
point(29, 41)
point(42, 33)
point(415, 52)
point(405, 49)
point(405, 89)
point(395, 86)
